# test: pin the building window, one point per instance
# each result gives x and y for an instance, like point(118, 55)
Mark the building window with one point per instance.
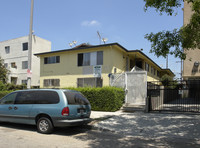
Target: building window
point(24, 64)
point(100, 58)
point(52, 60)
point(25, 46)
point(51, 82)
point(155, 72)
point(90, 58)
point(158, 73)
point(146, 67)
point(24, 82)
point(92, 82)
point(13, 65)
point(6, 65)
point(7, 49)
point(152, 70)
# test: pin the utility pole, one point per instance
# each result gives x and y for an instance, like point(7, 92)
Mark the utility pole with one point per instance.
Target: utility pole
point(181, 68)
point(167, 62)
point(30, 46)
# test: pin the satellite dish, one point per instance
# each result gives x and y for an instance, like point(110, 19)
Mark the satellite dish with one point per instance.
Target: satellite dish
point(104, 40)
point(70, 44)
point(74, 42)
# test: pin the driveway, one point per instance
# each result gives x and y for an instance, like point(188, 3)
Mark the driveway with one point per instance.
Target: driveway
point(155, 129)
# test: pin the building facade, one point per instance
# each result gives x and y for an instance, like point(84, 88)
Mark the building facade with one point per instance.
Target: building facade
point(191, 68)
point(88, 65)
point(14, 52)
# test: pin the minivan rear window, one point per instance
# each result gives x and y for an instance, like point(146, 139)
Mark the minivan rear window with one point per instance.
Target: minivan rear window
point(76, 98)
point(37, 97)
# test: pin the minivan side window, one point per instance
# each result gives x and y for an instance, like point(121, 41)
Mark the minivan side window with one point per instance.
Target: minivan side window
point(76, 98)
point(37, 97)
point(25, 98)
point(10, 99)
point(46, 97)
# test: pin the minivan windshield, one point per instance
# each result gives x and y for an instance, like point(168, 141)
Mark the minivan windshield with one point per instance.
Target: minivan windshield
point(76, 98)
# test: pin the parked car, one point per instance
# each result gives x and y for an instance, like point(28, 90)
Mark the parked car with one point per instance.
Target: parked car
point(46, 108)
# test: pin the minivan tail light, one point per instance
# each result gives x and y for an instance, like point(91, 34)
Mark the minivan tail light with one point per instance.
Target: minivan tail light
point(65, 111)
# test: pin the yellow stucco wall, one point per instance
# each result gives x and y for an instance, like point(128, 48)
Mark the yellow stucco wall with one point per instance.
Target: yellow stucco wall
point(68, 71)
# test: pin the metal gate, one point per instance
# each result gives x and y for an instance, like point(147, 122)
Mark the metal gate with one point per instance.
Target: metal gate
point(135, 85)
point(182, 96)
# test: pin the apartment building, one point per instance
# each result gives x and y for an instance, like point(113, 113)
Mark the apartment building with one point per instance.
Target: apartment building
point(88, 65)
point(191, 66)
point(14, 52)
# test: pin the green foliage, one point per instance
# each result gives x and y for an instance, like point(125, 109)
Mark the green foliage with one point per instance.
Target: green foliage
point(163, 5)
point(3, 71)
point(8, 86)
point(166, 42)
point(2, 86)
point(168, 81)
point(103, 99)
point(172, 42)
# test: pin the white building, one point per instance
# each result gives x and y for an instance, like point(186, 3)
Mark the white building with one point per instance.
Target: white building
point(15, 55)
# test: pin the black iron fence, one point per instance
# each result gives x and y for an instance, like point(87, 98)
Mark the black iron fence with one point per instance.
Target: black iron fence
point(183, 96)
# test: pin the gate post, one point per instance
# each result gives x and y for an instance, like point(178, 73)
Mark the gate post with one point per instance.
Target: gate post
point(148, 102)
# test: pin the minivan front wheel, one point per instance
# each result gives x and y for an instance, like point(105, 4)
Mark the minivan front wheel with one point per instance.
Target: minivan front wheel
point(44, 125)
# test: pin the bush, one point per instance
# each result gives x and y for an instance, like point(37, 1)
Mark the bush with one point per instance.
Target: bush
point(103, 99)
point(11, 86)
point(2, 86)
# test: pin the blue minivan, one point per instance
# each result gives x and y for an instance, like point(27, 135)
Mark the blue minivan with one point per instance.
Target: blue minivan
point(46, 108)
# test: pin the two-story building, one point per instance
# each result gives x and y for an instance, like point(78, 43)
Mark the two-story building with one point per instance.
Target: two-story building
point(14, 52)
point(191, 65)
point(87, 65)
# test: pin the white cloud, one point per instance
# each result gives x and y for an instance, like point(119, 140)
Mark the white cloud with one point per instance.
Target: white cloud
point(90, 23)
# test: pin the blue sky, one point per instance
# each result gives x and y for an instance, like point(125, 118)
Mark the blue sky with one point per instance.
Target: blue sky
point(62, 21)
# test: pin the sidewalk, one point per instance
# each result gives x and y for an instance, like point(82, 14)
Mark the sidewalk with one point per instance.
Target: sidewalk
point(159, 126)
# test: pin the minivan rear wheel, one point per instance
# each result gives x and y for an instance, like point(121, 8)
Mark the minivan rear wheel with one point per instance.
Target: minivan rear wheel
point(44, 125)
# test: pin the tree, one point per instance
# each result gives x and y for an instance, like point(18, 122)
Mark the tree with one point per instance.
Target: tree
point(3, 71)
point(172, 42)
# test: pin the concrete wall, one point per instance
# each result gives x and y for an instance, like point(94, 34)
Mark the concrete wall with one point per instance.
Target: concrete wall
point(17, 55)
point(189, 68)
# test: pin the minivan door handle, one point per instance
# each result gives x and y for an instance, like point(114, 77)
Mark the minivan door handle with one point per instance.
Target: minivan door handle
point(15, 108)
point(9, 107)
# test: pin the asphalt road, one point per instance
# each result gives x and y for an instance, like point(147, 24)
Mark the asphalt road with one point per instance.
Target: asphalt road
point(26, 136)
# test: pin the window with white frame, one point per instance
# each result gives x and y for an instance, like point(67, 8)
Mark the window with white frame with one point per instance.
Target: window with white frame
point(13, 65)
point(51, 82)
point(7, 49)
point(24, 82)
point(90, 58)
point(24, 64)
point(52, 60)
point(6, 65)
point(25, 46)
